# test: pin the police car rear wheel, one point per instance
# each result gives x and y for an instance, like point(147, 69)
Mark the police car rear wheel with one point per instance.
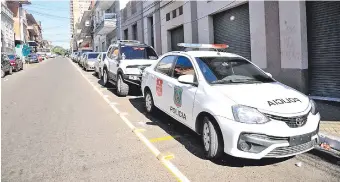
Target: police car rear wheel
point(211, 139)
point(149, 105)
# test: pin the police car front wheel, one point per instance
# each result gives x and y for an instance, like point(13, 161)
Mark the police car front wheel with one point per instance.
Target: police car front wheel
point(212, 140)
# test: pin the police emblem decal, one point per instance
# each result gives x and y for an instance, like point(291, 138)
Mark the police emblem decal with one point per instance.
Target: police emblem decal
point(178, 96)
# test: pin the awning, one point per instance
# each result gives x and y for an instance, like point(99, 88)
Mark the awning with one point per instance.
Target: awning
point(32, 43)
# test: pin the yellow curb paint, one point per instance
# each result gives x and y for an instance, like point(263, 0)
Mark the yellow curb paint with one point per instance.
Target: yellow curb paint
point(139, 130)
point(153, 140)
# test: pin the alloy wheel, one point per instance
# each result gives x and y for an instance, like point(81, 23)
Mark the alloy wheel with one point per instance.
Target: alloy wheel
point(206, 136)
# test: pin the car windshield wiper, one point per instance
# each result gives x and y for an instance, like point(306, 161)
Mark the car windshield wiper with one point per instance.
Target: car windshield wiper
point(235, 81)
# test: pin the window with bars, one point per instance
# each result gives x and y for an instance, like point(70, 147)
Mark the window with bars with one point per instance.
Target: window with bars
point(134, 32)
point(167, 16)
point(174, 13)
point(180, 10)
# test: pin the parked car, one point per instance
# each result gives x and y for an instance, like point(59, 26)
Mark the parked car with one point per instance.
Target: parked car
point(73, 56)
point(6, 67)
point(32, 58)
point(16, 62)
point(78, 58)
point(40, 57)
point(98, 65)
point(124, 63)
point(90, 58)
point(236, 107)
point(81, 60)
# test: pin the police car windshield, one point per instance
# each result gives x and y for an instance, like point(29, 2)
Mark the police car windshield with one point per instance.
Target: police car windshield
point(137, 52)
point(225, 70)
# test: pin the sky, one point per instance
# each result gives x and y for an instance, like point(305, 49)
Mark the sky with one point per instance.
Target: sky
point(55, 19)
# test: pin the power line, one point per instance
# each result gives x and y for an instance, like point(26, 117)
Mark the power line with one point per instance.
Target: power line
point(45, 14)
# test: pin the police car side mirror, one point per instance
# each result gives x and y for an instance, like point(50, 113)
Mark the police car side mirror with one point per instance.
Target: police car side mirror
point(268, 74)
point(187, 79)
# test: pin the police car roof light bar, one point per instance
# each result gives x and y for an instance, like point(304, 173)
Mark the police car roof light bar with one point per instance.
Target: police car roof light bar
point(206, 46)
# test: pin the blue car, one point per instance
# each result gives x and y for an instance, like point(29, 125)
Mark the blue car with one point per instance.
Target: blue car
point(32, 58)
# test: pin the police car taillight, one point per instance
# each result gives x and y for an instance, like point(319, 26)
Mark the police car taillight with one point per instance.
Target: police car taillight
point(205, 46)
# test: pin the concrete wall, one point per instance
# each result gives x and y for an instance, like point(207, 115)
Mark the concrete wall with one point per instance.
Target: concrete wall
point(184, 19)
point(293, 42)
point(132, 19)
point(151, 9)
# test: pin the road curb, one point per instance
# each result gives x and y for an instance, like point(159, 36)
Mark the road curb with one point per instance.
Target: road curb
point(333, 154)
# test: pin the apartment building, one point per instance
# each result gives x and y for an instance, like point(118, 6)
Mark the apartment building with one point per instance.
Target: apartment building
point(7, 29)
point(77, 8)
point(297, 42)
point(105, 20)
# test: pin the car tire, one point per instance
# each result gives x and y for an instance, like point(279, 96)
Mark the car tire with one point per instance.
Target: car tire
point(212, 140)
point(105, 78)
point(17, 68)
point(149, 104)
point(2, 73)
point(10, 70)
point(122, 87)
point(22, 66)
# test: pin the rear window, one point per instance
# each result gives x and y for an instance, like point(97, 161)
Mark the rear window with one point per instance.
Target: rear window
point(93, 56)
point(138, 52)
point(104, 56)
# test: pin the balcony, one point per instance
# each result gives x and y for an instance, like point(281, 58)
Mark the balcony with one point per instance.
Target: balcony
point(106, 24)
point(32, 30)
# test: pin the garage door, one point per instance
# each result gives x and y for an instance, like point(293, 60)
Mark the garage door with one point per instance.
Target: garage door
point(177, 36)
point(232, 27)
point(323, 32)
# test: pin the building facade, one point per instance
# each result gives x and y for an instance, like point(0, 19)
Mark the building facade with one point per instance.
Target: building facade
point(297, 42)
point(105, 20)
point(132, 26)
point(7, 29)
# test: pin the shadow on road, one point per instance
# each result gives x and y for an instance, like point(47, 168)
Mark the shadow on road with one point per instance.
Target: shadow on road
point(192, 141)
point(133, 90)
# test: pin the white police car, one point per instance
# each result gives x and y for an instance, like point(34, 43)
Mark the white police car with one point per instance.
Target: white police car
point(234, 105)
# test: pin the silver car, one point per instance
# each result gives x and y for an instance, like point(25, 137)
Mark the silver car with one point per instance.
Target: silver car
point(98, 65)
point(90, 58)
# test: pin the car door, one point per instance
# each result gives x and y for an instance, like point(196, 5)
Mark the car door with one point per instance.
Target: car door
point(97, 63)
point(113, 61)
point(162, 90)
point(182, 96)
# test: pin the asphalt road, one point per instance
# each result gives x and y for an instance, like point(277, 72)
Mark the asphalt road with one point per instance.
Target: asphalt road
point(57, 125)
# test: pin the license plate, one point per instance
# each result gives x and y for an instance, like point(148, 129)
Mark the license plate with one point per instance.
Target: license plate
point(300, 139)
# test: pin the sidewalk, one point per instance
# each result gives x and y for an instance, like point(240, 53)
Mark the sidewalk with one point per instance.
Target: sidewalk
point(330, 137)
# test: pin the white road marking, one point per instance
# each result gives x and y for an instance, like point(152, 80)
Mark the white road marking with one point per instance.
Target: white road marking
point(171, 167)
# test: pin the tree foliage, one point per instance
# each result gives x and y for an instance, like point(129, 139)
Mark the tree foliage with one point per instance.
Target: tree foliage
point(58, 50)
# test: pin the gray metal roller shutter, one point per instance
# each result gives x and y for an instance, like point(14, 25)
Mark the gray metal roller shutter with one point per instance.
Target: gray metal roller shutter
point(177, 36)
point(323, 32)
point(235, 33)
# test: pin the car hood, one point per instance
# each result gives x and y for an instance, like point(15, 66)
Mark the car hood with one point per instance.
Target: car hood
point(132, 62)
point(272, 97)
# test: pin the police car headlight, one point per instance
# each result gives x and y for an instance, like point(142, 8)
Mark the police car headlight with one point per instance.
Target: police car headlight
point(313, 110)
point(249, 115)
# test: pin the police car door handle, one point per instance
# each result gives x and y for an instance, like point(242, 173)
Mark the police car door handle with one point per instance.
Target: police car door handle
point(170, 85)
